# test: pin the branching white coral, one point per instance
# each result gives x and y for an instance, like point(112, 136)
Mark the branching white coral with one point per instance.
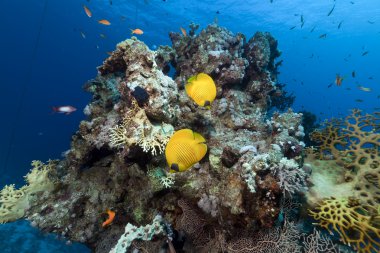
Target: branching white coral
point(160, 178)
point(156, 139)
point(292, 177)
point(137, 129)
point(145, 233)
point(167, 181)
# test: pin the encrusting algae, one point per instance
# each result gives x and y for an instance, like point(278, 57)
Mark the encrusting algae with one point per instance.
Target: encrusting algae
point(244, 195)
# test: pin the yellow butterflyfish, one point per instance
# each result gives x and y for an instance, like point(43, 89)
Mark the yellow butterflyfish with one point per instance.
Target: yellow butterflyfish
point(184, 149)
point(201, 88)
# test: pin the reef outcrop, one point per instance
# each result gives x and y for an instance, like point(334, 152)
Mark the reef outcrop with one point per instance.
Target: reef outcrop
point(116, 160)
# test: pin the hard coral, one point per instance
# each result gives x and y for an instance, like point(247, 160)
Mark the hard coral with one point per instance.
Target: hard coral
point(137, 129)
point(354, 143)
point(357, 225)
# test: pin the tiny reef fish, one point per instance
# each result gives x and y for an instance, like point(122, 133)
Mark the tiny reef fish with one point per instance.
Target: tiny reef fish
point(183, 30)
point(83, 34)
point(353, 74)
point(302, 21)
point(364, 88)
point(111, 216)
point(184, 149)
point(365, 53)
point(291, 28)
point(323, 36)
point(102, 35)
point(104, 22)
point(87, 11)
point(137, 31)
point(331, 11)
point(338, 80)
point(201, 88)
point(312, 29)
point(359, 100)
point(66, 109)
point(371, 22)
point(340, 24)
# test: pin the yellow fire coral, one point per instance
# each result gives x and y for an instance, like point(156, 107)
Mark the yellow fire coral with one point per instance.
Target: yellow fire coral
point(357, 225)
point(14, 202)
point(354, 144)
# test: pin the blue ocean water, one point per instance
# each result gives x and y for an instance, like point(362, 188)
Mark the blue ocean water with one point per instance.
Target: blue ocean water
point(46, 60)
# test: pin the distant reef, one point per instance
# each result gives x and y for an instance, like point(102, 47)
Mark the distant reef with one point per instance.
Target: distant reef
point(250, 193)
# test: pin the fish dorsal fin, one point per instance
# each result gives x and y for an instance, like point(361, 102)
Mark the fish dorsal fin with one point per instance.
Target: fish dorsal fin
point(186, 134)
point(200, 150)
point(202, 77)
point(199, 138)
point(200, 146)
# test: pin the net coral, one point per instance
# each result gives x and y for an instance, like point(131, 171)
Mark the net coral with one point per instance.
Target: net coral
point(357, 225)
point(354, 143)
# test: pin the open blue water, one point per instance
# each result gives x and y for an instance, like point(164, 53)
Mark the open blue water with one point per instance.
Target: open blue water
point(45, 61)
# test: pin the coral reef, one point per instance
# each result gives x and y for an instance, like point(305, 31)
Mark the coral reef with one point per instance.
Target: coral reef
point(116, 160)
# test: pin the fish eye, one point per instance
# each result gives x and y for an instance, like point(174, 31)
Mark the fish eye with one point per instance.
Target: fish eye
point(207, 103)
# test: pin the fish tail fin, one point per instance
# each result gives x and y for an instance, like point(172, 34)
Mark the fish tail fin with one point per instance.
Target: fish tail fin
point(131, 31)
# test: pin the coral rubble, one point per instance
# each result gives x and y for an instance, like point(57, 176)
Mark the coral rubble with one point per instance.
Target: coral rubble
point(116, 161)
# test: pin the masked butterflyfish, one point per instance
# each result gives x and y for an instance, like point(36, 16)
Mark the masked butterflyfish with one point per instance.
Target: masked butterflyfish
point(201, 88)
point(184, 149)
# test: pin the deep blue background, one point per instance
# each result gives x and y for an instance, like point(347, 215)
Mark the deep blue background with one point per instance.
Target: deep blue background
point(64, 60)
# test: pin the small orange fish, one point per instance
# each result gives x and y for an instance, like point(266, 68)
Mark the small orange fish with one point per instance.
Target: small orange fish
point(137, 31)
point(104, 22)
point(338, 80)
point(109, 53)
point(111, 216)
point(183, 32)
point(87, 10)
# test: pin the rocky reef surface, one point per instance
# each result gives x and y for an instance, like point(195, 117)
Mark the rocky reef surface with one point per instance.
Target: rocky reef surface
point(241, 197)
